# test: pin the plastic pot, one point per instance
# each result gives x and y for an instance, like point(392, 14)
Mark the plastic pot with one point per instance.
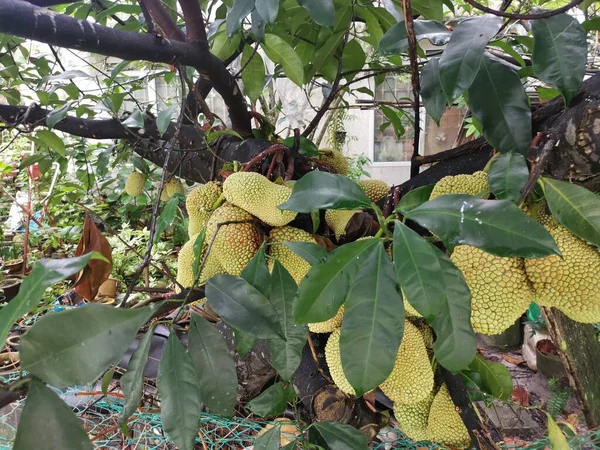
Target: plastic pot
point(109, 288)
point(548, 360)
point(14, 266)
point(11, 288)
point(510, 338)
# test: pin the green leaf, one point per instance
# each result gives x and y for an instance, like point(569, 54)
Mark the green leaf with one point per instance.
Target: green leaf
point(373, 323)
point(198, 244)
point(498, 227)
point(430, 9)
point(462, 57)
point(180, 405)
point(270, 440)
point(242, 306)
point(92, 338)
point(507, 176)
point(32, 159)
point(325, 54)
point(395, 118)
point(496, 378)
point(163, 119)
point(135, 120)
point(106, 379)
point(273, 401)
point(267, 9)
point(307, 147)
point(591, 24)
point(258, 26)
point(498, 100)
point(47, 423)
point(323, 290)
point(322, 190)
point(166, 218)
point(433, 96)
point(311, 252)
point(414, 198)
point(119, 68)
point(132, 382)
point(253, 75)
point(560, 53)
point(215, 368)
point(558, 440)
point(340, 436)
point(257, 273)
point(575, 207)
point(51, 140)
point(56, 116)
point(508, 48)
point(243, 342)
point(286, 353)
point(353, 58)
point(394, 40)
point(281, 52)
point(240, 9)
point(44, 274)
point(222, 46)
point(321, 11)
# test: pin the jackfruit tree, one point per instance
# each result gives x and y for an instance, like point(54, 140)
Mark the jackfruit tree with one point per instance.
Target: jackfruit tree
point(312, 275)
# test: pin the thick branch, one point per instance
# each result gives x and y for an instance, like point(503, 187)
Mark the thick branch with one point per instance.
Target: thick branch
point(161, 18)
point(195, 28)
point(25, 20)
point(514, 16)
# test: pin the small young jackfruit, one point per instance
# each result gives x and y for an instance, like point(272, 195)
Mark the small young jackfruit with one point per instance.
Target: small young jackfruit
point(500, 291)
point(334, 363)
point(199, 204)
point(134, 185)
point(444, 424)
point(297, 266)
point(259, 196)
point(337, 220)
point(185, 264)
point(164, 197)
point(412, 419)
point(461, 184)
point(335, 159)
point(411, 380)
point(374, 189)
point(329, 325)
point(174, 186)
point(570, 283)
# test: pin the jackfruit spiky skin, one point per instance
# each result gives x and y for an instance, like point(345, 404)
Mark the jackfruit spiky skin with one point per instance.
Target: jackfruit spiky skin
point(500, 291)
point(425, 330)
point(164, 197)
point(337, 220)
point(334, 363)
point(569, 284)
point(134, 185)
point(185, 264)
point(374, 189)
point(335, 159)
point(297, 267)
point(411, 379)
point(412, 419)
point(329, 325)
point(174, 186)
point(259, 196)
point(236, 243)
point(444, 424)
point(461, 184)
point(199, 204)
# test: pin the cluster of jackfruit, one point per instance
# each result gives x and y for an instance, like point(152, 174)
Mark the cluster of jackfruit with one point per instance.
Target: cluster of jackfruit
point(475, 184)
point(134, 185)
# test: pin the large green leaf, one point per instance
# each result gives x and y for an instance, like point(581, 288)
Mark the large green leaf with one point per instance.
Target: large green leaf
point(242, 306)
point(163, 120)
point(322, 190)
point(253, 75)
point(373, 323)
point(280, 52)
point(91, 339)
point(269, 440)
point(257, 273)
point(431, 90)
point(341, 436)
point(321, 11)
point(394, 40)
point(575, 207)
point(323, 290)
point(462, 57)
point(47, 423)
point(497, 226)
point(44, 274)
point(51, 140)
point(496, 378)
point(267, 9)
point(498, 100)
point(507, 176)
point(325, 54)
point(414, 198)
point(560, 53)
point(558, 440)
point(180, 405)
point(132, 382)
point(222, 46)
point(240, 9)
point(311, 252)
point(215, 368)
point(353, 59)
point(286, 353)
point(273, 401)
point(430, 9)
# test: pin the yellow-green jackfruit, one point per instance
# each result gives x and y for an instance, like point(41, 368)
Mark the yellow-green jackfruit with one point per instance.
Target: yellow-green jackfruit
point(260, 197)
point(411, 380)
point(134, 185)
point(444, 424)
point(335, 159)
point(199, 204)
point(412, 419)
point(164, 197)
point(500, 291)
point(337, 220)
point(174, 186)
point(461, 184)
point(329, 325)
point(374, 189)
point(185, 264)
point(570, 283)
point(334, 363)
point(297, 267)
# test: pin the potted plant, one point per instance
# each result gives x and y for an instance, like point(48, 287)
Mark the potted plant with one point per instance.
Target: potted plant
point(549, 363)
point(10, 286)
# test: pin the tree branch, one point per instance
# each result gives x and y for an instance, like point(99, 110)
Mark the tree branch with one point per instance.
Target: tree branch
point(160, 18)
point(514, 16)
point(195, 28)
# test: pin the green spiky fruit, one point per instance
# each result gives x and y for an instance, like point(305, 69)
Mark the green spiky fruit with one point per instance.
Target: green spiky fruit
point(185, 264)
point(444, 424)
point(134, 185)
point(334, 363)
point(174, 186)
point(412, 419)
point(337, 220)
point(461, 184)
point(330, 325)
point(335, 159)
point(374, 189)
point(199, 204)
point(297, 266)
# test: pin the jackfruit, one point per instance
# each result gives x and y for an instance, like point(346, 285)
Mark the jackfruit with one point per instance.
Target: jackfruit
point(374, 189)
point(411, 379)
point(500, 291)
point(570, 283)
point(425, 330)
point(236, 243)
point(199, 204)
point(134, 185)
point(297, 267)
point(444, 424)
point(337, 220)
point(164, 197)
point(329, 325)
point(259, 196)
point(461, 184)
point(334, 159)
point(174, 186)
point(334, 363)
point(412, 419)
point(185, 264)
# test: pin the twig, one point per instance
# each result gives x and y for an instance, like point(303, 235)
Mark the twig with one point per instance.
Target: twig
point(273, 149)
point(515, 16)
point(539, 163)
point(239, 72)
